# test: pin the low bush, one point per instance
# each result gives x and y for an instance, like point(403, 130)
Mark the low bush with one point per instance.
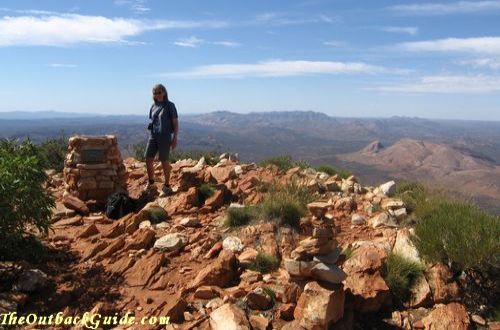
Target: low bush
point(457, 232)
point(211, 157)
point(137, 150)
point(265, 263)
point(205, 191)
point(400, 274)
point(331, 170)
point(52, 153)
point(25, 206)
point(412, 194)
point(240, 216)
point(283, 162)
point(284, 210)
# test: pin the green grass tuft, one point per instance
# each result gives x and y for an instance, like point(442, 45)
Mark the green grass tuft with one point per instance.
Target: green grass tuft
point(265, 263)
point(205, 191)
point(400, 274)
point(331, 170)
point(157, 214)
point(457, 232)
point(282, 162)
point(239, 216)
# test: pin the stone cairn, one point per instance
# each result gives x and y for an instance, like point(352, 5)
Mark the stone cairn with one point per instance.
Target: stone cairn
point(93, 168)
point(316, 256)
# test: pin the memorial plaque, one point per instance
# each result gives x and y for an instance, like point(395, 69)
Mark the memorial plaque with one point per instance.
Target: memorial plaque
point(93, 156)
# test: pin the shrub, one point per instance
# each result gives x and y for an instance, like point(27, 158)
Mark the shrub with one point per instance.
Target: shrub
point(412, 194)
point(282, 162)
point(205, 191)
point(211, 157)
point(400, 274)
point(157, 214)
point(265, 263)
point(292, 190)
point(52, 153)
point(457, 232)
point(330, 170)
point(286, 210)
point(239, 216)
point(138, 150)
point(24, 203)
point(347, 253)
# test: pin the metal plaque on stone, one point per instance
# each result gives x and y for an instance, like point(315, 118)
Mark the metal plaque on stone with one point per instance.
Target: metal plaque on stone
point(93, 156)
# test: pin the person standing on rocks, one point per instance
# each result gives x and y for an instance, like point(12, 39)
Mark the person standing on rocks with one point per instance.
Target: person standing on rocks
point(164, 128)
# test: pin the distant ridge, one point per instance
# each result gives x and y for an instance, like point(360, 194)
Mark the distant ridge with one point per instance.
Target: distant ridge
point(33, 115)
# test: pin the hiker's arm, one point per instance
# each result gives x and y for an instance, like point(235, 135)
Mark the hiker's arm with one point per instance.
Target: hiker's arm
point(175, 123)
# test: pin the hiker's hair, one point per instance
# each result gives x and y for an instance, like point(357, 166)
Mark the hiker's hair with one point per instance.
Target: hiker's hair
point(160, 87)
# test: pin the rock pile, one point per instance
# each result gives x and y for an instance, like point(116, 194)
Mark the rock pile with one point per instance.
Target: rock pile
point(93, 168)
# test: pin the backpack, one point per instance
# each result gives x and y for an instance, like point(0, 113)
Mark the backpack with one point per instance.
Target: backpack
point(119, 205)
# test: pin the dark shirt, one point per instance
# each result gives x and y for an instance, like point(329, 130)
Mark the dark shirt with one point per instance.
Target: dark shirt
point(163, 114)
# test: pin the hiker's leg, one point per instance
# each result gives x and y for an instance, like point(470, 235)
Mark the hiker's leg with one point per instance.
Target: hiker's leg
point(166, 171)
point(150, 168)
point(149, 154)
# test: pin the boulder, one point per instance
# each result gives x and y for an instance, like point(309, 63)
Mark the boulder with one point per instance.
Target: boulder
point(319, 307)
point(451, 316)
point(357, 219)
point(388, 188)
point(443, 288)
point(259, 322)
point(221, 272)
point(364, 280)
point(191, 221)
point(31, 280)
point(299, 268)
point(405, 247)
point(74, 203)
point(247, 257)
point(328, 273)
point(383, 220)
point(229, 316)
point(222, 173)
point(171, 242)
point(259, 299)
point(233, 244)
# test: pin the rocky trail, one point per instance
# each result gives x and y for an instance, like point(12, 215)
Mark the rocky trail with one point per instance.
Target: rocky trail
point(175, 257)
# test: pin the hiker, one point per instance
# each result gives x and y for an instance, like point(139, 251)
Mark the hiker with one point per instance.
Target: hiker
point(164, 123)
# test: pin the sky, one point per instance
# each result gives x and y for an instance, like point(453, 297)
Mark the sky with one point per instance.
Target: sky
point(345, 58)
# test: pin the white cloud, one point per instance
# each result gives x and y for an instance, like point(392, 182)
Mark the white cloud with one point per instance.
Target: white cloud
point(137, 6)
point(332, 43)
point(433, 8)
point(62, 65)
point(448, 84)
point(411, 30)
point(191, 42)
point(279, 68)
point(195, 42)
point(486, 45)
point(281, 19)
point(68, 29)
point(491, 63)
point(226, 43)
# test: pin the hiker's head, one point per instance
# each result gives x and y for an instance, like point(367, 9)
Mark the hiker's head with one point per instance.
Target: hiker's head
point(160, 93)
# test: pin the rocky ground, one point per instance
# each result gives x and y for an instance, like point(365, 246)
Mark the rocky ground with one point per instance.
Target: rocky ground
point(190, 267)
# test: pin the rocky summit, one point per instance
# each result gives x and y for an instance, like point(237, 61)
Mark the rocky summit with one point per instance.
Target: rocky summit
point(177, 256)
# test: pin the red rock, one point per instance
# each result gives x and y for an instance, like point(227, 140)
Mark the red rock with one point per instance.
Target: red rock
point(141, 239)
point(216, 248)
point(364, 280)
point(443, 288)
point(207, 292)
point(175, 308)
point(259, 299)
point(229, 316)
point(221, 272)
point(285, 311)
point(115, 245)
point(74, 221)
point(319, 307)
point(120, 265)
point(144, 269)
point(74, 203)
point(222, 173)
point(88, 231)
point(89, 253)
point(259, 322)
point(451, 316)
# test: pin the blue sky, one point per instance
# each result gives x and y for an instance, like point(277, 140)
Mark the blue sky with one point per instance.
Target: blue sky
point(345, 58)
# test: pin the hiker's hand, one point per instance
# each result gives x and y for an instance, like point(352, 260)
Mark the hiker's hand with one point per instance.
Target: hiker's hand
point(174, 142)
